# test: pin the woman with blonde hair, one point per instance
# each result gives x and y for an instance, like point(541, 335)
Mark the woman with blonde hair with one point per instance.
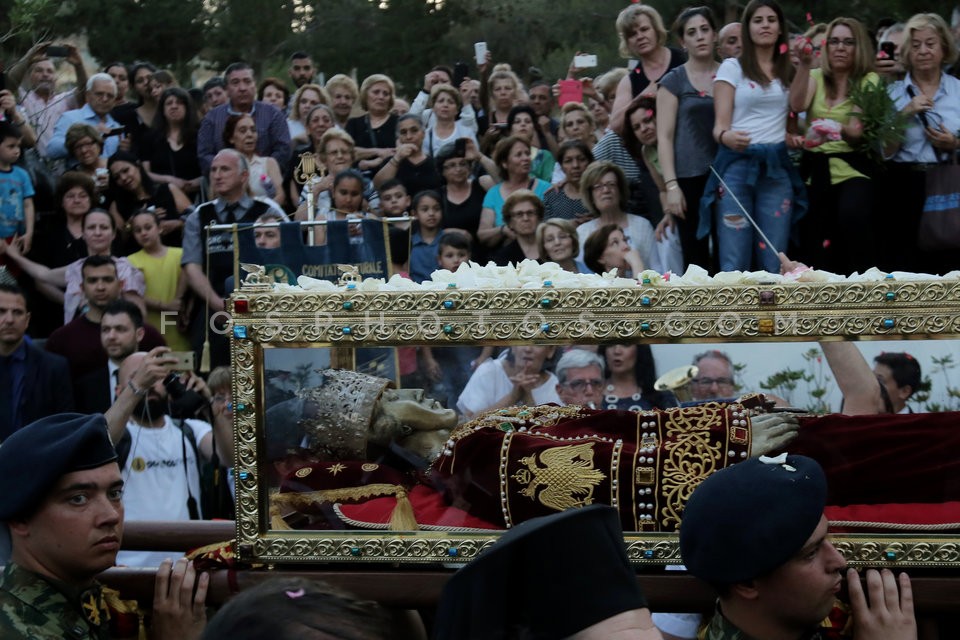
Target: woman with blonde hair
point(837, 232)
point(375, 132)
point(343, 92)
point(337, 153)
point(644, 38)
point(498, 93)
point(559, 242)
point(578, 123)
point(306, 98)
point(928, 96)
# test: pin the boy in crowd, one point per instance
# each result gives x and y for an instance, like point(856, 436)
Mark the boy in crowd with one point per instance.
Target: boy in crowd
point(16, 190)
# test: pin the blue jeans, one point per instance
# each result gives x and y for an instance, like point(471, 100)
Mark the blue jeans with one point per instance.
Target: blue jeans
point(769, 201)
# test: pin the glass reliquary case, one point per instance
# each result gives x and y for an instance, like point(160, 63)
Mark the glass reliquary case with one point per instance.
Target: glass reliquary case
point(338, 466)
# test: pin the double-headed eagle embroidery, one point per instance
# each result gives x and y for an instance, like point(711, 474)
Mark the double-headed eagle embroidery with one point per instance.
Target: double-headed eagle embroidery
point(568, 476)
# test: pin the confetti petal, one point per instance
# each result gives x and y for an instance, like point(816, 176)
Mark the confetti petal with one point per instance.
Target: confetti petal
point(293, 595)
point(762, 245)
point(826, 243)
point(776, 214)
point(810, 18)
point(702, 93)
point(783, 49)
point(649, 113)
point(753, 86)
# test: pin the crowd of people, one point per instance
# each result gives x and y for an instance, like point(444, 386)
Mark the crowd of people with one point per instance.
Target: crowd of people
point(714, 145)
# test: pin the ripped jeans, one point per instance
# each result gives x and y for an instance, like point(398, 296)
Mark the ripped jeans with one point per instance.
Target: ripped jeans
point(769, 201)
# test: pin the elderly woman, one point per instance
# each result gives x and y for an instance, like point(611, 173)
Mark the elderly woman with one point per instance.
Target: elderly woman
point(306, 98)
point(410, 164)
point(336, 154)
point(319, 119)
point(518, 377)
point(169, 153)
point(445, 126)
point(512, 157)
point(375, 132)
point(85, 143)
point(558, 242)
point(642, 37)
point(565, 200)
point(343, 92)
point(928, 96)
point(837, 234)
point(522, 213)
point(577, 123)
point(274, 92)
point(605, 192)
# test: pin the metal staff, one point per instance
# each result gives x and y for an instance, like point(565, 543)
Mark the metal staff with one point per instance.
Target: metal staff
point(744, 212)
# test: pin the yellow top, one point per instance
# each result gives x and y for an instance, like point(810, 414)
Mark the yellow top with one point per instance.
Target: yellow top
point(840, 112)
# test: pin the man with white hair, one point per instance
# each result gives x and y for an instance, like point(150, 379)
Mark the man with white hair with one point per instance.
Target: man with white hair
point(101, 96)
point(580, 376)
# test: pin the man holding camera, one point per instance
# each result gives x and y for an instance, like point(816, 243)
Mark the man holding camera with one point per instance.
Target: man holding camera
point(160, 443)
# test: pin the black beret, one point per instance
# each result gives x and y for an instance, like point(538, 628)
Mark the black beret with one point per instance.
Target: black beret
point(578, 554)
point(39, 454)
point(748, 519)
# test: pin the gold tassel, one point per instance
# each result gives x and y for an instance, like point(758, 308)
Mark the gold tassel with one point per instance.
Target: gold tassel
point(402, 518)
point(205, 355)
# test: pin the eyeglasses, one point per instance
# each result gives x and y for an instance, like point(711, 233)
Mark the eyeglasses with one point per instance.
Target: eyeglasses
point(847, 42)
point(605, 186)
point(560, 237)
point(720, 382)
point(580, 385)
point(526, 213)
point(337, 152)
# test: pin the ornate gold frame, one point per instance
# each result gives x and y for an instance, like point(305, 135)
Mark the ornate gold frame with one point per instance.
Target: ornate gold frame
point(352, 317)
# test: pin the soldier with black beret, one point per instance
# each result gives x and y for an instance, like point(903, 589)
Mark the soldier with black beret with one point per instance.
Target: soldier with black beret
point(756, 532)
point(64, 516)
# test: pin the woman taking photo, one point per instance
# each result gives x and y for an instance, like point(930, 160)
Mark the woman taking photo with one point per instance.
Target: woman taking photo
point(137, 117)
point(685, 117)
point(522, 213)
point(751, 105)
point(928, 96)
point(558, 242)
point(132, 190)
point(169, 153)
point(498, 94)
point(445, 104)
point(409, 164)
point(565, 200)
point(240, 133)
point(605, 192)
point(522, 123)
point(837, 232)
point(306, 98)
point(375, 132)
point(644, 38)
point(512, 156)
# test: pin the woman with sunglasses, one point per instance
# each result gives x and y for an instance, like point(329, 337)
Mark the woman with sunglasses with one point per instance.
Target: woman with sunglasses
point(836, 234)
point(931, 99)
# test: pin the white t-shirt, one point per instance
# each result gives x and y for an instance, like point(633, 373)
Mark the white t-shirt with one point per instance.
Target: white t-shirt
point(489, 383)
point(762, 111)
point(155, 484)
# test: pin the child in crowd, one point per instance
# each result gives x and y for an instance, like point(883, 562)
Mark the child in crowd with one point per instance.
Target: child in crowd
point(448, 369)
point(165, 284)
point(346, 203)
point(16, 191)
point(425, 241)
point(395, 203)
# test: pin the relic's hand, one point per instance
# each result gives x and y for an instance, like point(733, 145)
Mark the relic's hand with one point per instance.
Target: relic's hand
point(772, 431)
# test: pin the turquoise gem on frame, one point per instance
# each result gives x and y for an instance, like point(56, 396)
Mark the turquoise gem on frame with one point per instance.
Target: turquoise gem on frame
point(347, 331)
point(545, 327)
point(244, 475)
point(888, 323)
point(351, 285)
point(451, 285)
point(449, 304)
point(645, 300)
point(644, 326)
point(348, 305)
point(648, 554)
point(453, 552)
point(355, 551)
point(448, 329)
point(241, 406)
point(891, 295)
point(546, 302)
point(891, 555)
point(240, 332)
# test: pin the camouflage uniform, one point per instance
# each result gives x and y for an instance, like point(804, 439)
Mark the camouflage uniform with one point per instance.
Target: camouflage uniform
point(722, 629)
point(34, 607)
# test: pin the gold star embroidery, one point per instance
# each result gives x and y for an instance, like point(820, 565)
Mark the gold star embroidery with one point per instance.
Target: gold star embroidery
point(335, 469)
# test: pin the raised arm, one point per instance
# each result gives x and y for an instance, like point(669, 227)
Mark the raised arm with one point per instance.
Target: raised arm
point(857, 382)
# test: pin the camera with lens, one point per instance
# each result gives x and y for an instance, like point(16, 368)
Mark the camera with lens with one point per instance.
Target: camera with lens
point(184, 403)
